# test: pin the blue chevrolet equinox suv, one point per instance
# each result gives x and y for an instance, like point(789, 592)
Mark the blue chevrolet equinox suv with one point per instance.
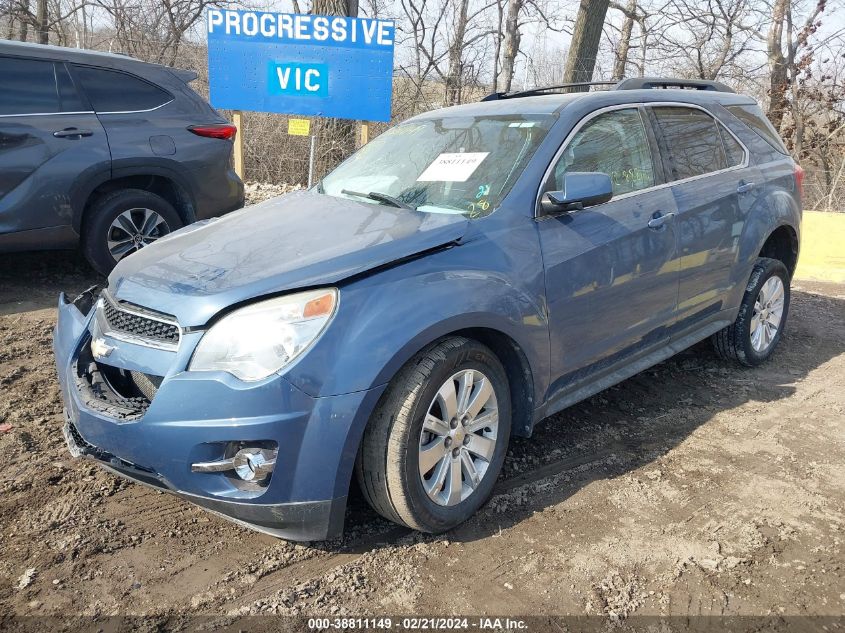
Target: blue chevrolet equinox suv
point(468, 273)
point(105, 152)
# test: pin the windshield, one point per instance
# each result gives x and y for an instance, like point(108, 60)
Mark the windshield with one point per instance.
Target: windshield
point(461, 165)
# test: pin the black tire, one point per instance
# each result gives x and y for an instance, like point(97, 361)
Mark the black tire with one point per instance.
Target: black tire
point(387, 467)
point(734, 342)
point(106, 209)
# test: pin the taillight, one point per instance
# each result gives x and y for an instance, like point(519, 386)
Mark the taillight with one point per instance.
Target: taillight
point(799, 179)
point(223, 130)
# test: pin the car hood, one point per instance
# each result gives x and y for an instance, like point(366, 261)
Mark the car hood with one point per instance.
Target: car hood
point(299, 240)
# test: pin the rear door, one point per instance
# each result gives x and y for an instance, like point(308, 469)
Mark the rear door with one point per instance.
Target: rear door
point(131, 111)
point(50, 141)
point(714, 191)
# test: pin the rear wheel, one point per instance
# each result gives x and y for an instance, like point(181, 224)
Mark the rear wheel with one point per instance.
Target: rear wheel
point(759, 325)
point(437, 441)
point(122, 222)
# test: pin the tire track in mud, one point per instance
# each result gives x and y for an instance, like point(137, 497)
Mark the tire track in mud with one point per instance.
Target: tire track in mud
point(322, 562)
point(623, 451)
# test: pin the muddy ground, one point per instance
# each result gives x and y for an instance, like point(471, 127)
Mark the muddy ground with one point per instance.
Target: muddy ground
point(695, 487)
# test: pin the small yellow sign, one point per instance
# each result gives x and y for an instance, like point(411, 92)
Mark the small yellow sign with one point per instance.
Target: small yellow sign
point(299, 127)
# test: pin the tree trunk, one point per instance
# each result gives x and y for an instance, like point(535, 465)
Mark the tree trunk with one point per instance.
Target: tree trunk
point(797, 114)
point(643, 46)
point(624, 42)
point(335, 7)
point(512, 39)
point(497, 49)
point(454, 76)
point(43, 21)
point(581, 60)
point(779, 76)
point(24, 30)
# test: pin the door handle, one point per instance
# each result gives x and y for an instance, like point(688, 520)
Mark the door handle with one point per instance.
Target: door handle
point(72, 132)
point(659, 219)
point(744, 187)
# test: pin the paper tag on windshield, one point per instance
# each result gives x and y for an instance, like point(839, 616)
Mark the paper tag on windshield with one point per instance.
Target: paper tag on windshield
point(452, 167)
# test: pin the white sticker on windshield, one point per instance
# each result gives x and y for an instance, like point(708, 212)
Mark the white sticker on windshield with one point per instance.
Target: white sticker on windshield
point(452, 167)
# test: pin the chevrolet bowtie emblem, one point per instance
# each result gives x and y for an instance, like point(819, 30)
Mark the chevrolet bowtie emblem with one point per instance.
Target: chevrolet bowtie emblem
point(100, 349)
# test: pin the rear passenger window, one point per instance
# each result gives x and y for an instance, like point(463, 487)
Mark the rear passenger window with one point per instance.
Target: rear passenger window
point(29, 87)
point(692, 140)
point(613, 143)
point(734, 152)
point(114, 91)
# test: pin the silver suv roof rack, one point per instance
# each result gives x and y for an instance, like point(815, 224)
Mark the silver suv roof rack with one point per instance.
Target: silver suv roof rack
point(542, 90)
point(634, 83)
point(647, 83)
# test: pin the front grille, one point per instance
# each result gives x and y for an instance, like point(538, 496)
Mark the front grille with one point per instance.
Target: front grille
point(138, 326)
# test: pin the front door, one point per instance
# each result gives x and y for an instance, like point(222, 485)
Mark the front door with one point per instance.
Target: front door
point(611, 270)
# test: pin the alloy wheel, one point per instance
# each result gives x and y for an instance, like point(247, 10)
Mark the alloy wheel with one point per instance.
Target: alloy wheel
point(458, 438)
point(768, 314)
point(133, 229)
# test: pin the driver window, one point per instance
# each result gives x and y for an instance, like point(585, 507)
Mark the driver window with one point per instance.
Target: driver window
point(613, 143)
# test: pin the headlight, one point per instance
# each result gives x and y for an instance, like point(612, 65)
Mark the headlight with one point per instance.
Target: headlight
point(260, 339)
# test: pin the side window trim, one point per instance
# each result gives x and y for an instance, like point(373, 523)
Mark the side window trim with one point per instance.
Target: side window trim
point(664, 149)
point(73, 67)
point(659, 171)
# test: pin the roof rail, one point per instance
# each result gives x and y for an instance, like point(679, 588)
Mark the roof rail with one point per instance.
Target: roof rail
point(533, 92)
point(646, 83)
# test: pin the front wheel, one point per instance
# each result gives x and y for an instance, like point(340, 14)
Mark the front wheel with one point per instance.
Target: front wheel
point(758, 328)
point(436, 443)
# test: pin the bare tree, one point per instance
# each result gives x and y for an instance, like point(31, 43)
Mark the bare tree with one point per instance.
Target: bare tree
point(456, 46)
point(621, 56)
point(583, 51)
point(782, 47)
point(512, 40)
point(520, 14)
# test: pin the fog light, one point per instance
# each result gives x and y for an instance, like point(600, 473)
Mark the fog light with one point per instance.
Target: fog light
point(250, 464)
point(254, 464)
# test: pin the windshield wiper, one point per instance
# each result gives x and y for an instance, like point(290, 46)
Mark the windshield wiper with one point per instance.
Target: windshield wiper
point(379, 197)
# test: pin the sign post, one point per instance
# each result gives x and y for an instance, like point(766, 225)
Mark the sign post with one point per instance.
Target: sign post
point(311, 161)
point(238, 120)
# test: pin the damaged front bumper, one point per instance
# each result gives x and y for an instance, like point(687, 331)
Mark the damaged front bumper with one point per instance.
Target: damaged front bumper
point(198, 417)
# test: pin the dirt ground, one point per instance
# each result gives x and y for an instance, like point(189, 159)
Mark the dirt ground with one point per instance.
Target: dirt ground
point(693, 488)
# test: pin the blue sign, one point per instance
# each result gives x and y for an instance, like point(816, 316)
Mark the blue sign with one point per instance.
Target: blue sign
point(318, 65)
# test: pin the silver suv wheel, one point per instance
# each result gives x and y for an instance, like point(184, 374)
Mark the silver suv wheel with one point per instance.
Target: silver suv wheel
point(767, 315)
point(458, 438)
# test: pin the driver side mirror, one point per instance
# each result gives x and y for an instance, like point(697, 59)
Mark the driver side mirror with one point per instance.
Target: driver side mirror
point(581, 189)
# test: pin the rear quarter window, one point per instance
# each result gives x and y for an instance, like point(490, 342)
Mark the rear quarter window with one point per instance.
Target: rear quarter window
point(754, 118)
point(115, 91)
